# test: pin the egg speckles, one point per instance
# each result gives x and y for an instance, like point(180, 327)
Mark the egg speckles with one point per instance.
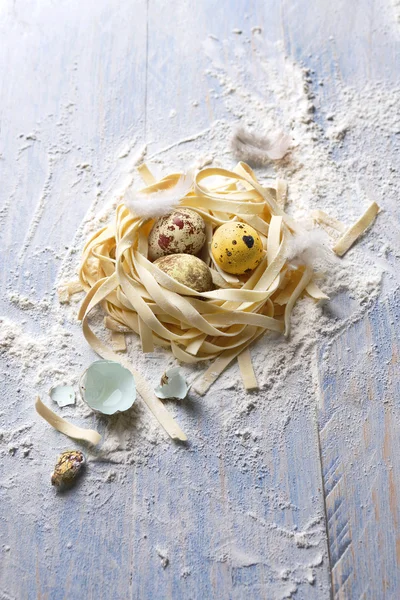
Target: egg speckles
point(181, 232)
point(188, 270)
point(237, 248)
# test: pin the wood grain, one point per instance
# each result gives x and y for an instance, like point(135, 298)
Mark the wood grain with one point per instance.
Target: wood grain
point(359, 436)
point(224, 517)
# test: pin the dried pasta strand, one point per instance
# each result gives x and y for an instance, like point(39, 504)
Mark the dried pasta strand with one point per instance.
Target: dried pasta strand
point(345, 242)
point(146, 174)
point(66, 290)
point(247, 370)
point(194, 346)
point(214, 371)
point(146, 337)
point(114, 325)
point(314, 291)
point(204, 382)
point(284, 296)
point(118, 341)
point(281, 192)
point(74, 287)
point(274, 237)
point(63, 294)
point(64, 426)
point(322, 218)
point(304, 281)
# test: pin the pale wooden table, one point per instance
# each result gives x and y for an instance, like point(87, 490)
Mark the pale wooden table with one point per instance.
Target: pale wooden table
point(92, 73)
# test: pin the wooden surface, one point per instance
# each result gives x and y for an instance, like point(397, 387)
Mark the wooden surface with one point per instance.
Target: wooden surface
point(318, 517)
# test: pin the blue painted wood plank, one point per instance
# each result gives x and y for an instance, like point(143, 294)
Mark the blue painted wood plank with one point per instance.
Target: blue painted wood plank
point(234, 516)
point(359, 436)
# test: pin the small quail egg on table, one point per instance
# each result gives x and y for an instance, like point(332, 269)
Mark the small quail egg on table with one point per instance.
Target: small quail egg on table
point(183, 231)
point(237, 248)
point(68, 467)
point(188, 270)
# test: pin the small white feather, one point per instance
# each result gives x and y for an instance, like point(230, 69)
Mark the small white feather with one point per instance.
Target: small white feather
point(310, 247)
point(260, 150)
point(159, 203)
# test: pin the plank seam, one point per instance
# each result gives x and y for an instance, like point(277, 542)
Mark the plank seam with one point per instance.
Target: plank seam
point(326, 521)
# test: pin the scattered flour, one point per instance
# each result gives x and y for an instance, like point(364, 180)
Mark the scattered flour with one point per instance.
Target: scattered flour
point(396, 8)
point(337, 163)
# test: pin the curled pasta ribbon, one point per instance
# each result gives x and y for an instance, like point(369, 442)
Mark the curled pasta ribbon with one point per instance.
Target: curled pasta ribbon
point(64, 426)
point(221, 324)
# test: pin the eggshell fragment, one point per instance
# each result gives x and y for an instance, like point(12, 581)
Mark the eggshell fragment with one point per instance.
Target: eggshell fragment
point(64, 395)
point(188, 270)
point(108, 387)
point(237, 248)
point(172, 385)
point(181, 232)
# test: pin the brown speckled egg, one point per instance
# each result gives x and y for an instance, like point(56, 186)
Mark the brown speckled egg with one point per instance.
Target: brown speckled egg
point(188, 270)
point(237, 248)
point(181, 232)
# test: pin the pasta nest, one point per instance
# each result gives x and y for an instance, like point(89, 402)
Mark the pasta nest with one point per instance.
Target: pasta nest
point(221, 324)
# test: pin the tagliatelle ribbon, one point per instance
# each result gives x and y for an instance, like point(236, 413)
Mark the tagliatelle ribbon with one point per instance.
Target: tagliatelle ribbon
point(351, 235)
point(64, 426)
point(220, 324)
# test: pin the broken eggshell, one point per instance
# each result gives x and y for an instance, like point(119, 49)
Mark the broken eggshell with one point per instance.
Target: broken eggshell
point(108, 387)
point(64, 395)
point(172, 385)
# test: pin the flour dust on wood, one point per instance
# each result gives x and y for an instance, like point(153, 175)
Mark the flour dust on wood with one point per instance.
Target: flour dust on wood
point(336, 163)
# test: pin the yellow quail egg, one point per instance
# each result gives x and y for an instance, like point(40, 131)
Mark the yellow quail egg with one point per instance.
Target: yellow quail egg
point(237, 248)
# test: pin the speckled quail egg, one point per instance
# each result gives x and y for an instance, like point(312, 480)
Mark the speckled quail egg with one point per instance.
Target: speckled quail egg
point(68, 467)
point(237, 248)
point(188, 270)
point(183, 231)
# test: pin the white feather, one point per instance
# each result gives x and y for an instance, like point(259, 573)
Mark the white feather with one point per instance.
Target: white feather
point(159, 203)
point(260, 150)
point(311, 247)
